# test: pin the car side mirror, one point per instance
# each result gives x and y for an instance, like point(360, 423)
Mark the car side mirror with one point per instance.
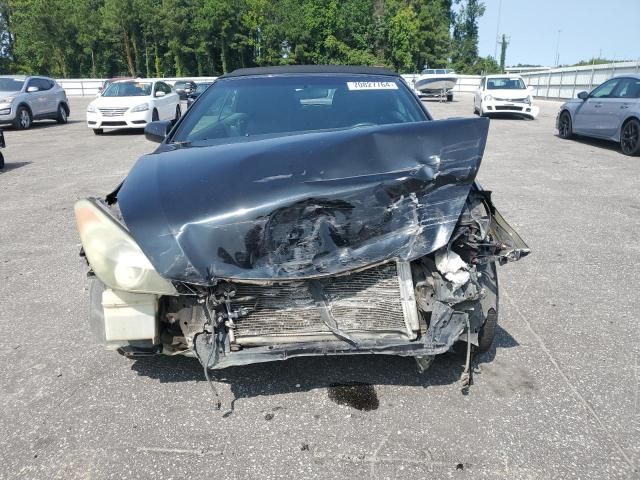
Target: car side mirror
point(160, 93)
point(583, 95)
point(32, 89)
point(157, 131)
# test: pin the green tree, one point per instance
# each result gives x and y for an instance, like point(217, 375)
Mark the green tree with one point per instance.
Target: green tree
point(465, 36)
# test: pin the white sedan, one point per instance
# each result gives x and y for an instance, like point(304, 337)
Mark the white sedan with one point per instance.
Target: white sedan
point(504, 94)
point(133, 104)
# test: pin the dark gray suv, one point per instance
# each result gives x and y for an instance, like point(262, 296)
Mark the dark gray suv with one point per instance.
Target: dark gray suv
point(24, 99)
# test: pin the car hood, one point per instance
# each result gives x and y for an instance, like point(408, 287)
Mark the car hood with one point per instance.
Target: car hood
point(302, 206)
point(120, 101)
point(4, 94)
point(508, 94)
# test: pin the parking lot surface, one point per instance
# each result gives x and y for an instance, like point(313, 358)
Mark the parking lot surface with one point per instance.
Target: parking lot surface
point(556, 398)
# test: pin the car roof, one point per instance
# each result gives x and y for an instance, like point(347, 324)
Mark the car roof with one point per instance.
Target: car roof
point(310, 69)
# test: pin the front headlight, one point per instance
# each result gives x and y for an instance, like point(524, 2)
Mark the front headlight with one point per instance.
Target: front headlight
point(92, 108)
point(140, 108)
point(488, 98)
point(8, 99)
point(114, 256)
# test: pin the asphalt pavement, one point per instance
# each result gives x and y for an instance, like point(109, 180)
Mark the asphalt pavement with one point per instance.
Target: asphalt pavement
point(556, 398)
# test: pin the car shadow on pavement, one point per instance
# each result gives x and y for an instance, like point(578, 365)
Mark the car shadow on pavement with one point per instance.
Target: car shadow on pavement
point(9, 165)
point(597, 142)
point(40, 125)
point(311, 373)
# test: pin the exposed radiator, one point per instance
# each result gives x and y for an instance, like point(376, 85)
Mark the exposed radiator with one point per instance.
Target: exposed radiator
point(369, 301)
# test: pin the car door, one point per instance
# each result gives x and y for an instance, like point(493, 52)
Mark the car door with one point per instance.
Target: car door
point(478, 95)
point(588, 118)
point(36, 99)
point(616, 110)
point(50, 101)
point(173, 100)
point(168, 102)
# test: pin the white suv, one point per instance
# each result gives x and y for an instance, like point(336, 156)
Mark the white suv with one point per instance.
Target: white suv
point(24, 99)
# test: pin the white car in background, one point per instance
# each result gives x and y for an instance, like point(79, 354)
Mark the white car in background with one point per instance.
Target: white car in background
point(133, 104)
point(504, 94)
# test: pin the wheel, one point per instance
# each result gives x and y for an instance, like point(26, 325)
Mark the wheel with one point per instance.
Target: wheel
point(565, 129)
point(97, 131)
point(488, 331)
point(62, 115)
point(154, 116)
point(1, 161)
point(475, 109)
point(23, 118)
point(630, 137)
point(450, 97)
point(178, 114)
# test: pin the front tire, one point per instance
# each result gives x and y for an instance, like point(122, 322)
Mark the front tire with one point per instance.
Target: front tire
point(154, 115)
point(62, 116)
point(23, 118)
point(450, 97)
point(630, 137)
point(1, 161)
point(98, 131)
point(178, 114)
point(565, 126)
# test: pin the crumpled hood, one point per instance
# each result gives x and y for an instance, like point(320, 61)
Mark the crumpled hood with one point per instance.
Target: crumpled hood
point(305, 205)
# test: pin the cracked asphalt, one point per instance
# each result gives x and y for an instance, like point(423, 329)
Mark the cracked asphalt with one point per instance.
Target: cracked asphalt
point(556, 398)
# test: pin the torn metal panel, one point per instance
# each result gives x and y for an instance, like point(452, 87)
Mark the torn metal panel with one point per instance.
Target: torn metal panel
point(302, 206)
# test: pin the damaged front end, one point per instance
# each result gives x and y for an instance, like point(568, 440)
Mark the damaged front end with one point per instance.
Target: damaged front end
point(372, 240)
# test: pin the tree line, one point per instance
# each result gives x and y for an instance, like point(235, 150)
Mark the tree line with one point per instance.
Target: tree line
point(160, 38)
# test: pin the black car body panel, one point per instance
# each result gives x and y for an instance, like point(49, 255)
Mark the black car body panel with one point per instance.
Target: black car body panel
point(302, 206)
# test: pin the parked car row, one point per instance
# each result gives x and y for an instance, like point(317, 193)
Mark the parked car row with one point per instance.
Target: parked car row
point(611, 111)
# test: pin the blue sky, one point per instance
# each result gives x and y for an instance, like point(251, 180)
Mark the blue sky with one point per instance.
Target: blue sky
point(587, 27)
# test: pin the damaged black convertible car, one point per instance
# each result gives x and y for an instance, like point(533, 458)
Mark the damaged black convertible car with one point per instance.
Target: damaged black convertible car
point(297, 211)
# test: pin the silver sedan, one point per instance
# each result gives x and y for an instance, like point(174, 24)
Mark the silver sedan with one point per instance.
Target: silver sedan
point(611, 112)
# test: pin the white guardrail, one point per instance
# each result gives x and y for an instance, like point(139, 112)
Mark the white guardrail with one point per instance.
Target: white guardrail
point(558, 83)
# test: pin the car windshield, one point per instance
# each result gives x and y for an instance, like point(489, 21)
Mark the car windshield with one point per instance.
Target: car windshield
point(286, 104)
point(202, 87)
point(128, 89)
point(11, 84)
point(505, 83)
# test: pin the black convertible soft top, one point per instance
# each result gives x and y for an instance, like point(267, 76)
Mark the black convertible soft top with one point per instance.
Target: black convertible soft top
point(349, 69)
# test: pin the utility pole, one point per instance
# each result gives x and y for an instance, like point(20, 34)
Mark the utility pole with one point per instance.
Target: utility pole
point(503, 52)
point(558, 49)
point(495, 50)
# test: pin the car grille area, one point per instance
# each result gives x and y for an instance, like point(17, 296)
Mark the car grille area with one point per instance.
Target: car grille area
point(508, 107)
point(113, 112)
point(367, 301)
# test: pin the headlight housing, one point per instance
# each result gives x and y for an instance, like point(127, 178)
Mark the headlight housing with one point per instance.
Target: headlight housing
point(114, 256)
point(488, 98)
point(143, 107)
point(91, 108)
point(8, 99)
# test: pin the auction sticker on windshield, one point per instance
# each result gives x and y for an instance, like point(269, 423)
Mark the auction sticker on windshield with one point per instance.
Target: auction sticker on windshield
point(372, 86)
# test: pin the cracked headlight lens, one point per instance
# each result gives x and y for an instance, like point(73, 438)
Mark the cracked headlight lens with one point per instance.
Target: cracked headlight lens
point(143, 107)
point(113, 254)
